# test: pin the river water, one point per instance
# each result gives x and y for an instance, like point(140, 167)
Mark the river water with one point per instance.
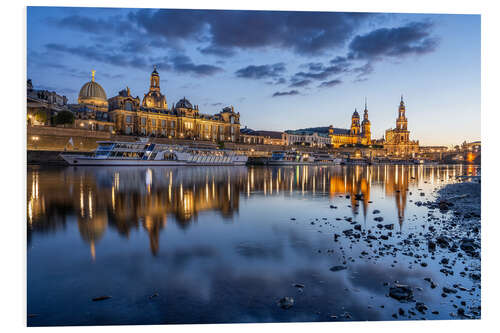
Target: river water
point(225, 244)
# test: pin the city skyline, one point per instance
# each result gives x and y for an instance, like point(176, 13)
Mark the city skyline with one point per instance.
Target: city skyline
point(304, 69)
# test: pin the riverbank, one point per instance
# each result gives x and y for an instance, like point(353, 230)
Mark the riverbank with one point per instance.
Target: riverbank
point(463, 199)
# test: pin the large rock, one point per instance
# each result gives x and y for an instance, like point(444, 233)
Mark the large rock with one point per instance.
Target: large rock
point(337, 268)
point(286, 302)
point(443, 241)
point(401, 292)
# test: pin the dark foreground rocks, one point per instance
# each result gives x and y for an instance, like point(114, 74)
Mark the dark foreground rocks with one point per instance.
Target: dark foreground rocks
point(286, 302)
point(401, 292)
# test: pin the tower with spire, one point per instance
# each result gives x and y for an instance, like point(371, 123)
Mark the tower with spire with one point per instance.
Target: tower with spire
point(154, 98)
point(355, 128)
point(365, 125)
point(397, 140)
point(401, 121)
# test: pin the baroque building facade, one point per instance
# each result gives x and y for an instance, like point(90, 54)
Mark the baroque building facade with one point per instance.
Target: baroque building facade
point(358, 133)
point(397, 140)
point(152, 117)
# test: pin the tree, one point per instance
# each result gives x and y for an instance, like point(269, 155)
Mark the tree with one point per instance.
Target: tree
point(64, 117)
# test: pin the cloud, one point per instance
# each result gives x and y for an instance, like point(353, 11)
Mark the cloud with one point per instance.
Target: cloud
point(411, 39)
point(300, 83)
point(184, 64)
point(324, 73)
point(305, 33)
point(261, 72)
point(178, 63)
point(112, 24)
point(315, 66)
point(219, 51)
point(286, 93)
point(97, 53)
point(329, 84)
point(225, 31)
point(363, 71)
point(364, 50)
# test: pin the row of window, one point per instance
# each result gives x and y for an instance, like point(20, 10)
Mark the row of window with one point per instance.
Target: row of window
point(187, 125)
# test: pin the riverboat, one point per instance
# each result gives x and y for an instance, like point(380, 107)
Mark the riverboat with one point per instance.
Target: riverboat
point(143, 152)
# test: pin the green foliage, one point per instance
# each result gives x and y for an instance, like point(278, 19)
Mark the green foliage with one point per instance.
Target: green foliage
point(64, 117)
point(220, 144)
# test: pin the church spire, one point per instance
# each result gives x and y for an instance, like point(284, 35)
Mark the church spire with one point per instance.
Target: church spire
point(93, 75)
point(366, 108)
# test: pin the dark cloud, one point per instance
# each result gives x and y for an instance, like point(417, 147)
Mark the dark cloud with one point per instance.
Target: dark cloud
point(286, 93)
point(324, 73)
point(315, 66)
point(178, 63)
point(305, 33)
point(261, 72)
point(112, 24)
point(96, 53)
point(171, 23)
point(413, 38)
point(300, 83)
point(277, 81)
point(185, 65)
point(329, 84)
point(225, 52)
point(338, 60)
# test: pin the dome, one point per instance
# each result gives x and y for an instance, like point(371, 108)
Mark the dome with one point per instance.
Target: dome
point(184, 103)
point(92, 92)
point(92, 89)
point(355, 114)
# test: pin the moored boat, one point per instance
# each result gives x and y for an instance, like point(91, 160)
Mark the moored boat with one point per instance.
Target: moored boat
point(142, 153)
point(285, 157)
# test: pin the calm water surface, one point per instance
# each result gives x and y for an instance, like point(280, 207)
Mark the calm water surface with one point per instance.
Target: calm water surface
point(224, 244)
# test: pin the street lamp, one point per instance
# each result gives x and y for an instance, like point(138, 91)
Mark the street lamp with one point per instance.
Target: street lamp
point(35, 140)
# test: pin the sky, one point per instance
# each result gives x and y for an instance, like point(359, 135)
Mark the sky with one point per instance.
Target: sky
point(280, 69)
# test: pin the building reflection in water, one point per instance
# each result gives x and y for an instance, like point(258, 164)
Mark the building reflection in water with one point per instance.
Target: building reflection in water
point(127, 199)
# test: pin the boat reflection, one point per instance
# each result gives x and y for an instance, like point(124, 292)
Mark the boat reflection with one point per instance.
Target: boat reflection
point(126, 199)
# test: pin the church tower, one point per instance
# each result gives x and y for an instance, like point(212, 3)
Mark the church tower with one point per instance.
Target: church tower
point(154, 98)
point(365, 126)
point(355, 128)
point(154, 81)
point(401, 121)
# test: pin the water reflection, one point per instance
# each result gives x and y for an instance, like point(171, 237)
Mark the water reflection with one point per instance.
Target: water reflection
point(126, 199)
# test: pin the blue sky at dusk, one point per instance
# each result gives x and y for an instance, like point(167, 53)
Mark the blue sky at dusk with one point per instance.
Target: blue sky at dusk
point(280, 70)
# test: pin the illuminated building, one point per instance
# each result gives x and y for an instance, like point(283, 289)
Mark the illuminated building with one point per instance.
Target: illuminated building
point(152, 117)
point(91, 112)
point(251, 136)
point(43, 101)
point(397, 140)
point(358, 133)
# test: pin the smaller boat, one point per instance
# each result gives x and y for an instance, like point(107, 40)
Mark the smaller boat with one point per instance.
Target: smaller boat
point(325, 159)
point(285, 157)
